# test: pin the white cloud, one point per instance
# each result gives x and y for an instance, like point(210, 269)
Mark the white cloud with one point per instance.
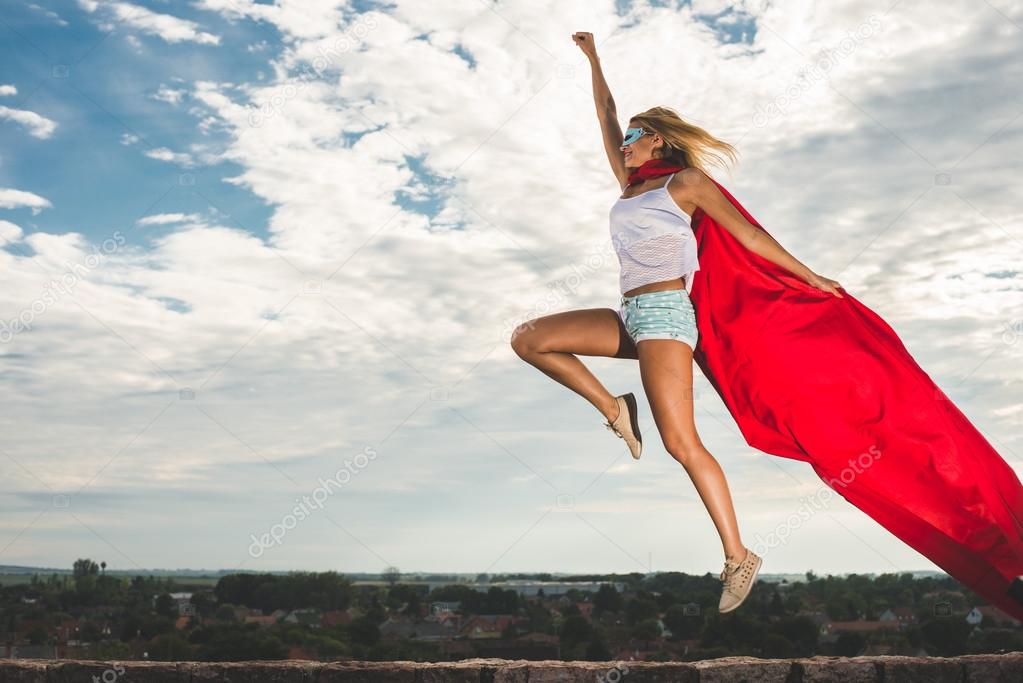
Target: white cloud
point(303, 20)
point(50, 14)
point(164, 154)
point(169, 95)
point(9, 232)
point(8, 90)
point(13, 199)
point(38, 126)
point(170, 28)
point(169, 218)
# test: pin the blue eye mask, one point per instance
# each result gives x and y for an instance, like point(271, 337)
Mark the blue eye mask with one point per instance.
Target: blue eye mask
point(633, 134)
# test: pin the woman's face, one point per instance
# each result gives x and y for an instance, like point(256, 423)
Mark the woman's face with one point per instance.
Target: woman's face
point(642, 149)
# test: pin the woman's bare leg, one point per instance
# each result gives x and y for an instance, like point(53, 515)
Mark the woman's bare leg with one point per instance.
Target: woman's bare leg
point(666, 367)
point(550, 342)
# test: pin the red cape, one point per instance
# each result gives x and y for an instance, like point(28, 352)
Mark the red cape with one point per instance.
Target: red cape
point(814, 377)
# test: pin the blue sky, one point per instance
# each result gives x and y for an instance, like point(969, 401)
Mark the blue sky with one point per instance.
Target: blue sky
point(250, 247)
point(104, 85)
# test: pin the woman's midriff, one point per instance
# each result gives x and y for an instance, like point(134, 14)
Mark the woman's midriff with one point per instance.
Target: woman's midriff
point(677, 283)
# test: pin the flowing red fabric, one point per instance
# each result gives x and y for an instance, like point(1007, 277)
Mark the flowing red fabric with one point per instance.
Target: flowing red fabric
point(822, 379)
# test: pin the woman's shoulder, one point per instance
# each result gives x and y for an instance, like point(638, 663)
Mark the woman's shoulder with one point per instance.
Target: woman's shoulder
point(689, 176)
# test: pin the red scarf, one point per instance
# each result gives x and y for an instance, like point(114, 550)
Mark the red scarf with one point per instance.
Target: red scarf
point(653, 168)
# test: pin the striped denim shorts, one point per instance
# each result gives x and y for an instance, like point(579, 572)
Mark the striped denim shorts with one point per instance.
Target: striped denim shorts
point(666, 314)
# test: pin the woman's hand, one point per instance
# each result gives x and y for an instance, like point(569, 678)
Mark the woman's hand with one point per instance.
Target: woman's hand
point(825, 284)
point(585, 42)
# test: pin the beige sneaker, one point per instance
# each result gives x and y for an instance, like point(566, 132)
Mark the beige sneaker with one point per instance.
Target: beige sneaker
point(626, 425)
point(738, 578)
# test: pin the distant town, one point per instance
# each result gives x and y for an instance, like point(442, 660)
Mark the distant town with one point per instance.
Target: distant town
point(86, 612)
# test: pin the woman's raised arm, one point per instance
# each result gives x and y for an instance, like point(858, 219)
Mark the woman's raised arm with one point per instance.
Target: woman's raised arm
point(610, 129)
point(698, 188)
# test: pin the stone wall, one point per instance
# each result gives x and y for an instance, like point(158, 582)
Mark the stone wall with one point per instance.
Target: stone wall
point(966, 669)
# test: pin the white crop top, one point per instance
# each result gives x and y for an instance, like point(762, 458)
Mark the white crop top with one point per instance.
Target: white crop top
point(654, 239)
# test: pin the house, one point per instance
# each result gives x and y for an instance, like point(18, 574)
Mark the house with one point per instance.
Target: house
point(68, 632)
point(181, 623)
point(261, 621)
point(858, 626)
point(585, 609)
point(990, 616)
point(397, 628)
point(448, 606)
point(335, 618)
point(903, 616)
point(305, 617)
point(487, 625)
point(27, 626)
point(448, 619)
point(184, 603)
point(432, 631)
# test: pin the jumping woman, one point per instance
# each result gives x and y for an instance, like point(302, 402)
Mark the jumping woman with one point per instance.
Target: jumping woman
point(659, 166)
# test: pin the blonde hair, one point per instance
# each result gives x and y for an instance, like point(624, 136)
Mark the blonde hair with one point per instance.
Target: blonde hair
point(686, 143)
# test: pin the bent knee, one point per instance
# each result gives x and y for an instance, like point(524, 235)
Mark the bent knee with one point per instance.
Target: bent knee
point(683, 448)
point(524, 339)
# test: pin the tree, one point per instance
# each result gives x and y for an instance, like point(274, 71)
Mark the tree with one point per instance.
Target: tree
point(777, 646)
point(170, 647)
point(392, 575)
point(575, 630)
point(413, 607)
point(801, 632)
point(683, 623)
point(597, 650)
point(849, 644)
point(946, 637)
point(607, 599)
point(37, 636)
point(648, 629)
point(231, 643)
point(205, 602)
point(776, 607)
point(84, 567)
point(165, 606)
point(364, 631)
point(639, 608)
point(225, 613)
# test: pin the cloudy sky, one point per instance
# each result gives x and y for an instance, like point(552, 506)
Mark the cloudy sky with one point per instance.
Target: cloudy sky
point(260, 264)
